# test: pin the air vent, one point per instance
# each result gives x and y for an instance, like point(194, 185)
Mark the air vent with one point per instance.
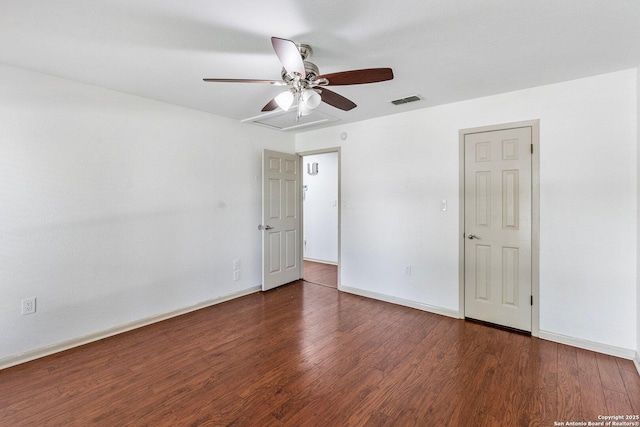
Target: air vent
point(408, 99)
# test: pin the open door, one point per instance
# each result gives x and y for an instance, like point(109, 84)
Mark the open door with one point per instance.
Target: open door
point(281, 224)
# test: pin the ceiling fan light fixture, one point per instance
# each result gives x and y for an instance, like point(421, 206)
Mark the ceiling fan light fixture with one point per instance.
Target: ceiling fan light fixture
point(285, 100)
point(303, 109)
point(311, 98)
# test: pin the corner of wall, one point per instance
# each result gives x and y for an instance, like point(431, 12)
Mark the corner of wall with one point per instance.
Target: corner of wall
point(637, 358)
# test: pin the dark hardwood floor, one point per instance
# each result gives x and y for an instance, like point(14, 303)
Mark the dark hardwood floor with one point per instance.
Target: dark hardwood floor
point(305, 354)
point(321, 274)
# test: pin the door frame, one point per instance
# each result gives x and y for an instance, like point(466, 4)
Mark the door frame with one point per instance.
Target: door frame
point(535, 215)
point(309, 153)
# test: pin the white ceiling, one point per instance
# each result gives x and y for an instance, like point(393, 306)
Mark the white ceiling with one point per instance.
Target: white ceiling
point(444, 50)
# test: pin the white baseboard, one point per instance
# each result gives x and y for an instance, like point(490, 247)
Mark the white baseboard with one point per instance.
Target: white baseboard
point(624, 353)
point(611, 350)
point(86, 339)
point(401, 301)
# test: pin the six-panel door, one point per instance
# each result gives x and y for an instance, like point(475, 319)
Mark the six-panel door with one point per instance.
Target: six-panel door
point(498, 227)
point(281, 215)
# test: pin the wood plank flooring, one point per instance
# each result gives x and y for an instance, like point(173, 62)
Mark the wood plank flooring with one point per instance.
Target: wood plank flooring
point(321, 274)
point(308, 355)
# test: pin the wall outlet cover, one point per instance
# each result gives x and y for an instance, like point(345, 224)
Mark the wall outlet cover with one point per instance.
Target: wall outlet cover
point(28, 306)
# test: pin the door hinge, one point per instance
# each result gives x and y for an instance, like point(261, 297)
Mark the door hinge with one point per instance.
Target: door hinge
point(531, 148)
point(531, 299)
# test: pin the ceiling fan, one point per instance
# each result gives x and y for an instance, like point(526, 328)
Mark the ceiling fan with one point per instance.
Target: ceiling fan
point(306, 87)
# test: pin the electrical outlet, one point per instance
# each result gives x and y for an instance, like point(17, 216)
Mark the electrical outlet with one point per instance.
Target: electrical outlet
point(236, 264)
point(28, 306)
point(236, 275)
point(407, 270)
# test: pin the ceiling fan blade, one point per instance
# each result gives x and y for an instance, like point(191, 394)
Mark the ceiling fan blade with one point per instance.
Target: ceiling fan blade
point(289, 56)
point(271, 82)
point(336, 100)
point(271, 105)
point(358, 77)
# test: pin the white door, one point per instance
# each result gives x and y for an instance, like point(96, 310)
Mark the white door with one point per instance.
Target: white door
point(497, 250)
point(280, 219)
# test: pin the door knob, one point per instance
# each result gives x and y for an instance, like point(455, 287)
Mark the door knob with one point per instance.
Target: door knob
point(264, 227)
point(472, 236)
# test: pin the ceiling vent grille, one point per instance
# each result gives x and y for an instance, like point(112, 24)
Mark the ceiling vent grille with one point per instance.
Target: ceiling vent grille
point(406, 100)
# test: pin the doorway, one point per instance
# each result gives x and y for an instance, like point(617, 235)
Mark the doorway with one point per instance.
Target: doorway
point(499, 220)
point(321, 216)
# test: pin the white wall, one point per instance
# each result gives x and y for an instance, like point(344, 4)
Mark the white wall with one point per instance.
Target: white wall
point(321, 209)
point(114, 208)
point(397, 169)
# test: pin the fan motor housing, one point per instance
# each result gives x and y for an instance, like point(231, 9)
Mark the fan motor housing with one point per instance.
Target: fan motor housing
point(310, 69)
